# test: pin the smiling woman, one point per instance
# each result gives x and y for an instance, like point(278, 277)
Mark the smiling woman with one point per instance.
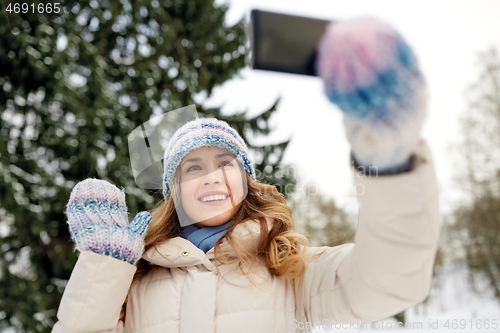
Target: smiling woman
point(212, 189)
point(222, 251)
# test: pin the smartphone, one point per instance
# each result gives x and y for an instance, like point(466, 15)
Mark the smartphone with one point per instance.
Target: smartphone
point(284, 43)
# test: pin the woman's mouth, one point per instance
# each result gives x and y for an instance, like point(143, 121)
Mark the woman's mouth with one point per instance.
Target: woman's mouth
point(215, 200)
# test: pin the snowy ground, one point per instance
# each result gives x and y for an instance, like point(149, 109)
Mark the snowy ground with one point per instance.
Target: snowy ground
point(452, 306)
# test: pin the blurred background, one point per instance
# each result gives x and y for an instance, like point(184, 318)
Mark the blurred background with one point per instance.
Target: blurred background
point(72, 90)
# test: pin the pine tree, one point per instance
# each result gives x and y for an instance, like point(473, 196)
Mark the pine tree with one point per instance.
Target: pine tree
point(71, 91)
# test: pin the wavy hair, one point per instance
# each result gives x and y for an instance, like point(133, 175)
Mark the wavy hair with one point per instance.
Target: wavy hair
point(281, 248)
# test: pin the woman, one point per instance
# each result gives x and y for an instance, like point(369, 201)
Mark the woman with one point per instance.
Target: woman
point(221, 254)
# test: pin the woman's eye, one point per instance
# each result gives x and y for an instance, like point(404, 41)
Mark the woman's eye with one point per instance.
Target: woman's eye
point(192, 167)
point(226, 162)
point(197, 166)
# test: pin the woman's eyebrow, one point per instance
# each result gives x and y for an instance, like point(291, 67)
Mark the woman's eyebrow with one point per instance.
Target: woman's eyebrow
point(196, 159)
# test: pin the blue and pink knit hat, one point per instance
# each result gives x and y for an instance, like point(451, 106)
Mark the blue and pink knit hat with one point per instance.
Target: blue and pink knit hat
point(198, 133)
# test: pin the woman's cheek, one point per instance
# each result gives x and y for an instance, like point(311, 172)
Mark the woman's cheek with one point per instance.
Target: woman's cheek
point(238, 189)
point(235, 183)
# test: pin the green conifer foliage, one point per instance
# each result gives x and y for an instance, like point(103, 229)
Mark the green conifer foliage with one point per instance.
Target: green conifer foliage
point(71, 91)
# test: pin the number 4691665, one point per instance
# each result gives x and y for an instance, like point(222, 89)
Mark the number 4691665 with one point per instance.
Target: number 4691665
point(41, 8)
point(471, 324)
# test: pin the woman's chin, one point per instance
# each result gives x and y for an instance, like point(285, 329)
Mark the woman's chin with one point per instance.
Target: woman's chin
point(211, 222)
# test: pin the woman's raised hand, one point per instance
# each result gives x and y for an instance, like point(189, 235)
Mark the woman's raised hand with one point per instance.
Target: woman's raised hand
point(98, 221)
point(372, 75)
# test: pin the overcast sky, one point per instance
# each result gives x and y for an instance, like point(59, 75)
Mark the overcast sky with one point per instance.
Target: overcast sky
point(446, 37)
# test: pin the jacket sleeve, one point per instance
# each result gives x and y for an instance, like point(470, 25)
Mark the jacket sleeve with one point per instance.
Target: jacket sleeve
point(389, 267)
point(94, 295)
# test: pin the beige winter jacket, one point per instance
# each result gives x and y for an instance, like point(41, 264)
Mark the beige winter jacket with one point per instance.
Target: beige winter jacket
point(387, 270)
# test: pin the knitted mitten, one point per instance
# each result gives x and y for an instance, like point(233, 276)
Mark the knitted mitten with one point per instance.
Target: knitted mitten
point(98, 221)
point(372, 75)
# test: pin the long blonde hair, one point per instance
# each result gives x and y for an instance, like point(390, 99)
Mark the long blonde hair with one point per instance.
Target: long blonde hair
point(281, 248)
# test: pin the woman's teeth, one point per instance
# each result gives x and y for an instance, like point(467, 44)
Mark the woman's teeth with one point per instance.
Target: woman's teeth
point(214, 198)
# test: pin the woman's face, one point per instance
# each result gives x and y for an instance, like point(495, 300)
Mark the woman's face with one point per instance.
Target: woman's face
point(204, 174)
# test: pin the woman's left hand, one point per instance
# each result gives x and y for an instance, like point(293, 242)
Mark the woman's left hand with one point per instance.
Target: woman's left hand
point(372, 75)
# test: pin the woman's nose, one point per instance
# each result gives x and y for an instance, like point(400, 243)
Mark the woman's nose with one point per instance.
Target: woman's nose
point(214, 177)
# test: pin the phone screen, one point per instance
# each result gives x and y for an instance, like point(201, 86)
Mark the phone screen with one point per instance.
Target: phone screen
point(285, 43)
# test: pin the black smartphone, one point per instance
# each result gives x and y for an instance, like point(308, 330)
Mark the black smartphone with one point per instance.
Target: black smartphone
point(284, 43)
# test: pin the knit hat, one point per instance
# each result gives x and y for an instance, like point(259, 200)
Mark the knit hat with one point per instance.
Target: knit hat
point(203, 132)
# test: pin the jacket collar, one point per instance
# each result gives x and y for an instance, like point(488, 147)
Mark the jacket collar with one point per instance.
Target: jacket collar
point(180, 252)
